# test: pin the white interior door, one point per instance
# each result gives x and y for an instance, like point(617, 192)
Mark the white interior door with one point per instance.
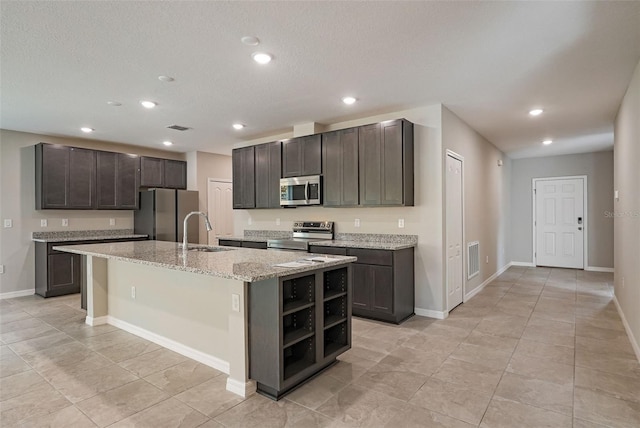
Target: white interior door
point(220, 208)
point(560, 222)
point(454, 221)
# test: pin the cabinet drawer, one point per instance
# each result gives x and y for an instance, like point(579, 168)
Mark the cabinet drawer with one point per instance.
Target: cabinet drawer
point(252, 244)
point(372, 257)
point(337, 251)
point(229, 243)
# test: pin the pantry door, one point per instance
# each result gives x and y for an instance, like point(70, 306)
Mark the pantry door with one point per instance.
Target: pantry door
point(560, 222)
point(220, 209)
point(454, 230)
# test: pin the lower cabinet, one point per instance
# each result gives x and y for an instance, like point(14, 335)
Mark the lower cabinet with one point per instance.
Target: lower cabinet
point(298, 326)
point(261, 245)
point(383, 282)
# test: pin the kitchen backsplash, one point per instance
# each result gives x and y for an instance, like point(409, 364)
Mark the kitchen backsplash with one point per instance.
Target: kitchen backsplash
point(376, 237)
point(268, 234)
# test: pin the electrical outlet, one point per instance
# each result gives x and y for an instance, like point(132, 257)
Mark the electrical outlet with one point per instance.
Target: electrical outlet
point(277, 222)
point(65, 222)
point(8, 222)
point(133, 292)
point(43, 222)
point(112, 222)
point(235, 302)
point(401, 223)
point(1, 268)
point(487, 260)
point(356, 223)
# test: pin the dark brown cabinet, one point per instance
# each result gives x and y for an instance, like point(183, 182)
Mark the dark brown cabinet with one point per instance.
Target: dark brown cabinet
point(175, 174)
point(65, 177)
point(268, 167)
point(118, 180)
point(386, 163)
point(261, 245)
point(151, 172)
point(244, 190)
point(383, 282)
point(302, 156)
point(340, 167)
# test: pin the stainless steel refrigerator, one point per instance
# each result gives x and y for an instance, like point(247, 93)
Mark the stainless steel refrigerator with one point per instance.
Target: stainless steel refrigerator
point(162, 212)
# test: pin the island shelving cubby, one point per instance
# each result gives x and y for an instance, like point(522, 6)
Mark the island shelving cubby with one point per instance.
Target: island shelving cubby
point(298, 325)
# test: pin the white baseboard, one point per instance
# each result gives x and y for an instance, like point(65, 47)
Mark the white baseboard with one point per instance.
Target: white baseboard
point(96, 321)
point(431, 313)
point(598, 269)
point(486, 282)
point(20, 293)
point(243, 389)
point(181, 349)
point(627, 328)
point(526, 264)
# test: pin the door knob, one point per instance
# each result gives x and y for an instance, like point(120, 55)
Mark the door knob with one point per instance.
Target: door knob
point(579, 228)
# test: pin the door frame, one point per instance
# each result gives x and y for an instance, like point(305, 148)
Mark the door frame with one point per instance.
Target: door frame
point(216, 180)
point(585, 214)
point(459, 157)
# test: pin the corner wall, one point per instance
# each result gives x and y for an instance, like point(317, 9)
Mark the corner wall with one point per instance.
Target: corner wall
point(626, 223)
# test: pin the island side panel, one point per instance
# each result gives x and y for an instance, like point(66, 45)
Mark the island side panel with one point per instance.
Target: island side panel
point(97, 290)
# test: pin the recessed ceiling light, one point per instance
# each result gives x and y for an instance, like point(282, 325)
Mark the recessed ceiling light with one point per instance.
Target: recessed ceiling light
point(536, 112)
point(238, 126)
point(167, 143)
point(87, 129)
point(166, 79)
point(348, 100)
point(114, 103)
point(261, 57)
point(547, 142)
point(148, 104)
point(250, 40)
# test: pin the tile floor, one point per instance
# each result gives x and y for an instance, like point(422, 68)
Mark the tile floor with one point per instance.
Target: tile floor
point(536, 348)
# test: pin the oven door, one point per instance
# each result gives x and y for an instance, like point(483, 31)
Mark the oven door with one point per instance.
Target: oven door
point(301, 191)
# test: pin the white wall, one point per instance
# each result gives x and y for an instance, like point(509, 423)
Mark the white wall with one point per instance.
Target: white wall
point(17, 202)
point(627, 221)
point(598, 167)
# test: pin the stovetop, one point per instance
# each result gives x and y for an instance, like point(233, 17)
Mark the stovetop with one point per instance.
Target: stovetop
point(304, 232)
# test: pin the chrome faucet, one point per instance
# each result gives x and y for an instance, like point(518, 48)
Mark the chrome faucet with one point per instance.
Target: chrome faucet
point(207, 223)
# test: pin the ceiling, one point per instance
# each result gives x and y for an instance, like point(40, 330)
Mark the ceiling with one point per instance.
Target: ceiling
point(488, 62)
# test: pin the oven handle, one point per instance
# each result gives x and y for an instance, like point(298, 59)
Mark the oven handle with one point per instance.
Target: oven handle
point(306, 190)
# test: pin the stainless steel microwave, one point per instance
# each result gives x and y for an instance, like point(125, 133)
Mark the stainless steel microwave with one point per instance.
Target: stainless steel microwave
point(305, 190)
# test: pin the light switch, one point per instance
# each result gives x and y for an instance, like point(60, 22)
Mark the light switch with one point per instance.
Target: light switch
point(249, 221)
point(235, 302)
point(43, 222)
point(400, 223)
point(616, 196)
point(356, 223)
point(65, 222)
point(8, 222)
point(112, 222)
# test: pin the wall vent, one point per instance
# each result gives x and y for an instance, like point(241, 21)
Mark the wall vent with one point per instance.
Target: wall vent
point(178, 127)
point(473, 259)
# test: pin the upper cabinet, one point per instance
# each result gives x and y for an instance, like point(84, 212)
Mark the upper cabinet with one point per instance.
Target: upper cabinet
point(65, 177)
point(268, 164)
point(340, 167)
point(244, 191)
point(175, 174)
point(386, 163)
point(118, 180)
point(302, 156)
point(163, 173)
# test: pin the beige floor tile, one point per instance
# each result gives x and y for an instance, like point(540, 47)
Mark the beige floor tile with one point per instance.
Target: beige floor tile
point(181, 377)
point(22, 324)
point(539, 333)
point(417, 361)
point(541, 369)
point(119, 403)
point(21, 383)
point(441, 330)
point(12, 364)
point(78, 329)
point(416, 417)
point(360, 325)
point(39, 402)
point(211, 397)
point(536, 392)
point(71, 356)
point(563, 316)
point(504, 344)
point(359, 407)
point(617, 347)
point(77, 384)
point(504, 325)
point(40, 343)
point(554, 327)
point(11, 316)
point(482, 355)
point(611, 363)
point(316, 392)
point(261, 411)
point(26, 333)
point(603, 408)
point(483, 301)
point(416, 322)
point(618, 386)
point(581, 423)
point(522, 295)
point(211, 424)
point(515, 307)
point(594, 332)
point(545, 351)
point(170, 413)
point(366, 353)
point(69, 417)
point(391, 335)
point(392, 380)
point(456, 401)
point(432, 343)
point(510, 414)
point(152, 362)
point(472, 376)
point(349, 367)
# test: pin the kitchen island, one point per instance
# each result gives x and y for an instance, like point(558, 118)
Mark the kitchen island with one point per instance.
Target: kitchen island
point(235, 309)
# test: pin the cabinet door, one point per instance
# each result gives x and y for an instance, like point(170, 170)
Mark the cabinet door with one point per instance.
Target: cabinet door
point(175, 174)
point(151, 172)
point(311, 155)
point(268, 163)
point(291, 158)
point(53, 162)
point(350, 188)
point(370, 164)
point(64, 273)
point(392, 163)
point(361, 286)
point(243, 162)
point(381, 288)
point(332, 172)
point(82, 176)
point(128, 181)
point(106, 180)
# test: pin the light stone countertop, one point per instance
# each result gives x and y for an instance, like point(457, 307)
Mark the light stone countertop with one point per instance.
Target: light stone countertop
point(365, 244)
point(243, 238)
point(350, 240)
point(85, 235)
point(244, 264)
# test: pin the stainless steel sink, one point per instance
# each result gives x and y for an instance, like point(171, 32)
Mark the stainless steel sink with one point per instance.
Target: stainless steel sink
point(210, 249)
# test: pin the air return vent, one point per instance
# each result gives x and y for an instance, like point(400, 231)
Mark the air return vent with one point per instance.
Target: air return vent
point(473, 259)
point(178, 127)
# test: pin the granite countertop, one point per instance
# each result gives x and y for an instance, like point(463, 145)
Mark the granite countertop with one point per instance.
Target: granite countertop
point(244, 264)
point(85, 235)
point(243, 238)
point(366, 245)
